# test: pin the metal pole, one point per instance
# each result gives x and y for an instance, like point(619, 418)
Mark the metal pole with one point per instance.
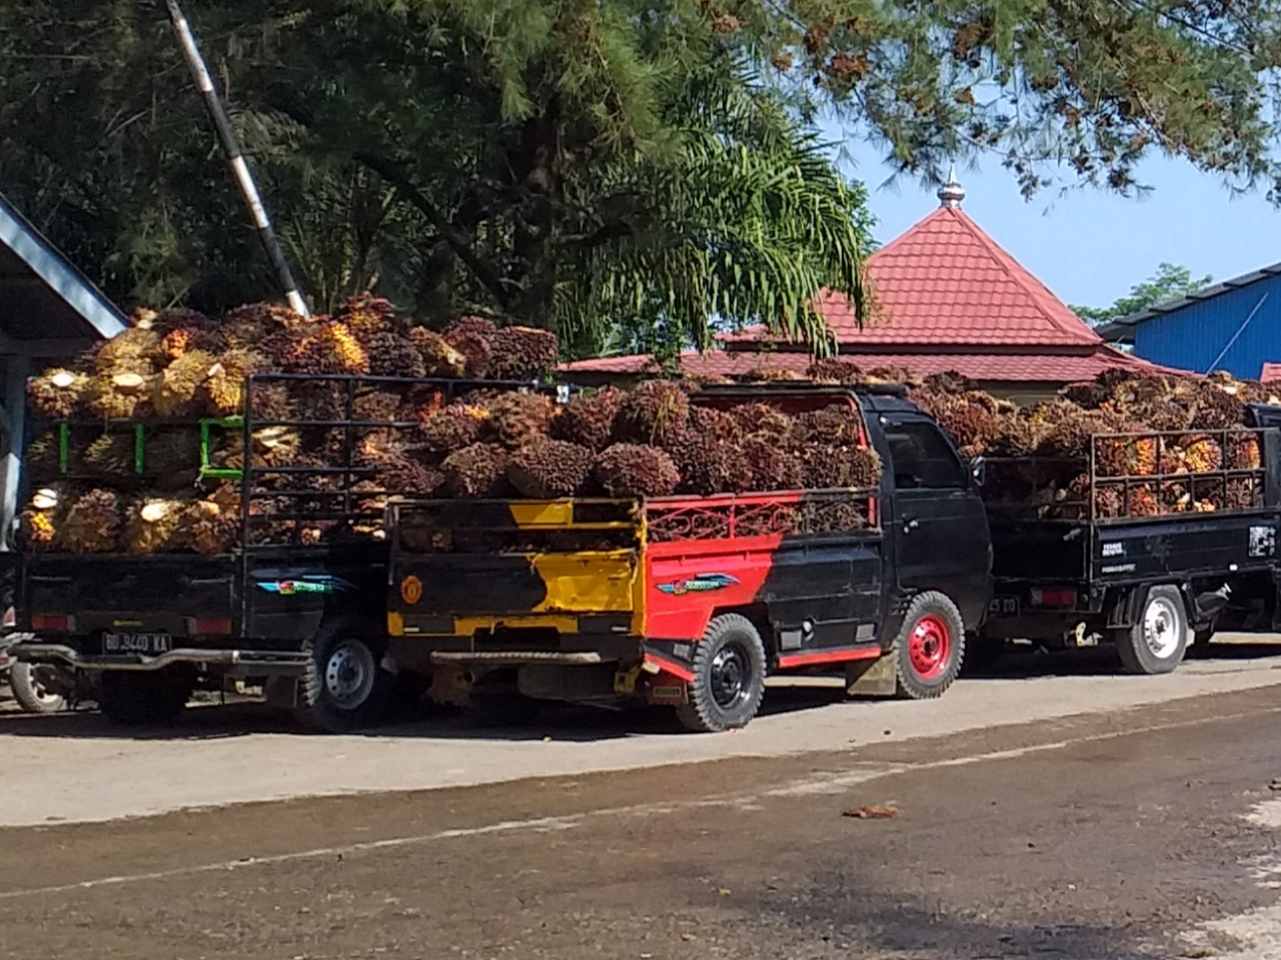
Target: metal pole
point(231, 146)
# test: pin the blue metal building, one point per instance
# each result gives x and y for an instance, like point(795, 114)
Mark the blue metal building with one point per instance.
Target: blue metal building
point(1233, 326)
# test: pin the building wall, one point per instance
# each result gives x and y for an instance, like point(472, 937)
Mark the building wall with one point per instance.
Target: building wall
point(1192, 337)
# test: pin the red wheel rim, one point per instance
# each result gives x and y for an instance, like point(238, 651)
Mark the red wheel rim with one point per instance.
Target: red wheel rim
point(930, 646)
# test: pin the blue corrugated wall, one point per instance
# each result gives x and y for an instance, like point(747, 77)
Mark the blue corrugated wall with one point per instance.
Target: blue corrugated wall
point(1191, 337)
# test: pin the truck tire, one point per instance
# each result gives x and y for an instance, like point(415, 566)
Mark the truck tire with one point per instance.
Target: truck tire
point(930, 647)
point(133, 699)
point(729, 677)
point(30, 692)
point(1159, 638)
point(345, 687)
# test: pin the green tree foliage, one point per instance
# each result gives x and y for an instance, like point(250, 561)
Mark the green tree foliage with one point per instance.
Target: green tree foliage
point(591, 165)
point(1170, 282)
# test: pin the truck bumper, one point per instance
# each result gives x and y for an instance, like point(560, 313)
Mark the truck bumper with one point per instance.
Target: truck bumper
point(247, 663)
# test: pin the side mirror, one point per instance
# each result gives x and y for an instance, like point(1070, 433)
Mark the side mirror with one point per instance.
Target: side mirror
point(978, 471)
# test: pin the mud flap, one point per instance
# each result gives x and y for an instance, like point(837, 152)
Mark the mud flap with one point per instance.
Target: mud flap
point(871, 678)
point(281, 692)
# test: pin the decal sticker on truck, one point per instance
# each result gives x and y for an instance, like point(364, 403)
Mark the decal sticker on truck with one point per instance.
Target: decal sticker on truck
point(702, 583)
point(1263, 541)
point(309, 585)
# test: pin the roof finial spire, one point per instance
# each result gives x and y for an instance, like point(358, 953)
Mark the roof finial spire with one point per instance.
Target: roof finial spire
point(952, 193)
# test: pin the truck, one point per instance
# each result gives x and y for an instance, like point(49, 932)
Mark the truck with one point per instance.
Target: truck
point(1152, 562)
point(295, 605)
point(692, 601)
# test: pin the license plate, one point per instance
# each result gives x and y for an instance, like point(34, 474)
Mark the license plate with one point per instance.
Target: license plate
point(1004, 606)
point(144, 643)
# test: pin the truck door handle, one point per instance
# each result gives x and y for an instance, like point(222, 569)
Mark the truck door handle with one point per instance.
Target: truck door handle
point(911, 525)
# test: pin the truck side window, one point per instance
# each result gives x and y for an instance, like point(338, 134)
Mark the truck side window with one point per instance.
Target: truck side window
point(922, 458)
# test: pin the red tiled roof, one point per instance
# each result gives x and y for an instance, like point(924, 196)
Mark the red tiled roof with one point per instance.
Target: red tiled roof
point(1007, 367)
point(1271, 371)
point(945, 281)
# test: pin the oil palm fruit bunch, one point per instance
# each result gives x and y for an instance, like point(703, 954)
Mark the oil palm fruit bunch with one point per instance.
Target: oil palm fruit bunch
point(653, 412)
point(368, 316)
point(708, 466)
point(182, 380)
point(473, 338)
point(522, 353)
point(383, 406)
point(893, 374)
point(56, 393)
point(588, 419)
point(1175, 496)
point(120, 395)
point(865, 467)
point(1241, 450)
point(713, 424)
point(252, 324)
point(156, 525)
point(135, 350)
point(333, 349)
point(1087, 394)
point(826, 467)
point(272, 401)
point(546, 469)
point(43, 516)
point(457, 426)
point(171, 456)
point(183, 330)
point(440, 358)
point(275, 446)
point(1243, 493)
point(1012, 437)
point(773, 467)
point(112, 454)
point(401, 474)
point(516, 418)
point(391, 355)
point(1143, 502)
point(1213, 409)
point(1202, 454)
point(834, 370)
point(43, 459)
point(949, 382)
point(213, 521)
point(971, 425)
point(763, 420)
point(1132, 455)
point(477, 471)
point(837, 423)
point(92, 523)
point(1109, 501)
point(1162, 415)
point(628, 470)
point(223, 392)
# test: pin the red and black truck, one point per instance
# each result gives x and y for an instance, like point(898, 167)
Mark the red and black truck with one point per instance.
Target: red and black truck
point(693, 601)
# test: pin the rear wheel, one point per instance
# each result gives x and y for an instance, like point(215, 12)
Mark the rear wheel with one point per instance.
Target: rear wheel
point(133, 698)
point(729, 677)
point(1157, 641)
point(930, 647)
point(345, 686)
point(34, 694)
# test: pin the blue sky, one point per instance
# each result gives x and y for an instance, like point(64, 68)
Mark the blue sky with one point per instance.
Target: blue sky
point(1087, 245)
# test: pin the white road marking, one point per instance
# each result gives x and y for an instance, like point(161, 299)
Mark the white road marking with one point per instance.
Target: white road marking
point(800, 787)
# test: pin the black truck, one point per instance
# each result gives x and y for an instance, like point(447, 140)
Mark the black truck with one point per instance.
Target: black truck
point(297, 605)
point(1152, 562)
point(692, 601)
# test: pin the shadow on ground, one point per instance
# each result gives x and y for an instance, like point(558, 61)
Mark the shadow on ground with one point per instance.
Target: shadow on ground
point(241, 716)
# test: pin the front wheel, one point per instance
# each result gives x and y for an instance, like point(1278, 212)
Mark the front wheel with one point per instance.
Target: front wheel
point(1157, 641)
point(930, 647)
point(30, 689)
point(345, 687)
point(729, 677)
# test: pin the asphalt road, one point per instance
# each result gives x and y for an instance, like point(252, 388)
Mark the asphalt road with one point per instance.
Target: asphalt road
point(1149, 832)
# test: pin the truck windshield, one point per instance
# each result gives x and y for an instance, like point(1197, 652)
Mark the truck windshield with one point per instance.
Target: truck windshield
point(922, 458)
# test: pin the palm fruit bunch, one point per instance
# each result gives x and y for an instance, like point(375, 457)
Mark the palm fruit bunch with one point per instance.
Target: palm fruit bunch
point(547, 469)
point(773, 467)
point(1109, 501)
point(181, 381)
point(156, 525)
point(111, 454)
point(1142, 502)
point(383, 406)
point(515, 418)
point(440, 359)
point(628, 470)
point(332, 349)
point(588, 419)
point(1243, 493)
point(457, 426)
point(708, 466)
point(1214, 409)
point(135, 350)
point(213, 521)
point(473, 338)
point(43, 459)
point(763, 420)
point(43, 516)
point(970, 422)
point(402, 474)
point(1132, 455)
point(477, 471)
point(522, 353)
point(120, 396)
point(834, 370)
point(92, 523)
point(367, 316)
point(56, 394)
point(391, 355)
point(652, 412)
point(222, 394)
point(1202, 454)
point(1241, 450)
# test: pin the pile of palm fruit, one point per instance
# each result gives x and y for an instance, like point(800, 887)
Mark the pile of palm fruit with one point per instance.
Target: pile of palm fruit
point(115, 462)
point(128, 475)
point(1159, 443)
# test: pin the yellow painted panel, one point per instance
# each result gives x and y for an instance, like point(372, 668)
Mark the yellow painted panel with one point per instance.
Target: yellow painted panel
point(535, 513)
point(467, 626)
point(395, 624)
point(587, 582)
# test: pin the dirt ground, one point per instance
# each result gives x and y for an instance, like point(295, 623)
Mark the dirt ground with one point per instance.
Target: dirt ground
point(1144, 833)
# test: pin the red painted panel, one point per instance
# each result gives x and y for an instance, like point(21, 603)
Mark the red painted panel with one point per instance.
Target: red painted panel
point(817, 657)
point(676, 605)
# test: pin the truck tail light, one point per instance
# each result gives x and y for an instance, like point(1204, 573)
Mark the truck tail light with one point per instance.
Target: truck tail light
point(1054, 598)
point(52, 622)
point(198, 626)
